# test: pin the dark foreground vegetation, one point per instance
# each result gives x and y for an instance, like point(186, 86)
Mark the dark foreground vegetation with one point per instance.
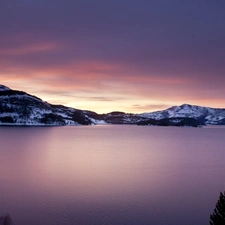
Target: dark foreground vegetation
point(5, 220)
point(218, 216)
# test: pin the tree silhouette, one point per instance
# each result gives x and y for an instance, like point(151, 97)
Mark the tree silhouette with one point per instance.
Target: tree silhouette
point(218, 216)
point(5, 220)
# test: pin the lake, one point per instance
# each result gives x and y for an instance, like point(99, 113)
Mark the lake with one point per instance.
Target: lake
point(111, 174)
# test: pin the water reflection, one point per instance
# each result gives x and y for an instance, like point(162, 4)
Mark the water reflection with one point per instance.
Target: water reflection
point(110, 174)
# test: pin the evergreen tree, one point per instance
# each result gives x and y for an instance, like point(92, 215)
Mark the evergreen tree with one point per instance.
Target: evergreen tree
point(218, 216)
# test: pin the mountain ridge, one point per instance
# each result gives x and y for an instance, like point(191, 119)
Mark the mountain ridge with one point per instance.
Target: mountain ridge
point(206, 115)
point(20, 108)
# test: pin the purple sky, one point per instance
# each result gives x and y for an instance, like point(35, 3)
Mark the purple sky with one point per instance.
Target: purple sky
point(124, 55)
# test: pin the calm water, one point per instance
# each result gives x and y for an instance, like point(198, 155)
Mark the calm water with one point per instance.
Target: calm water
point(111, 175)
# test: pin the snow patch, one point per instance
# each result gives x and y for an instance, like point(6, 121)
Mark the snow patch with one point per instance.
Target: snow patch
point(4, 88)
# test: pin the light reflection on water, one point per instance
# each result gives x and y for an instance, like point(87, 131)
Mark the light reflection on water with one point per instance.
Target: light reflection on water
point(110, 174)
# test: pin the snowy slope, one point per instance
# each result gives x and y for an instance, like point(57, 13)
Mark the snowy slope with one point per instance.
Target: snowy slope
point(206, 115)
point(20, 108)
point(4, 88)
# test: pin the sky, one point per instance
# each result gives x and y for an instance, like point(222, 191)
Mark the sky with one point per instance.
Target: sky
point(122, 55)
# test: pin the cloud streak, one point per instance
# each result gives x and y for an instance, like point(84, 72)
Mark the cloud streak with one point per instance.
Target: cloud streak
point(27, 49)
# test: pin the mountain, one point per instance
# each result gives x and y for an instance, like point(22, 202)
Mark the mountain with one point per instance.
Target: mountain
point(21, 108)
point(187, 114)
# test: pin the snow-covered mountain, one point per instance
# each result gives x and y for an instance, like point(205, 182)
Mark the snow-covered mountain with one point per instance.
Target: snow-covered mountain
point(21, 108)
point(202, 115)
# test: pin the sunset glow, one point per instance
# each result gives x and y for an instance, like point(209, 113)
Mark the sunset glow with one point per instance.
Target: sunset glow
point(134, 56)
